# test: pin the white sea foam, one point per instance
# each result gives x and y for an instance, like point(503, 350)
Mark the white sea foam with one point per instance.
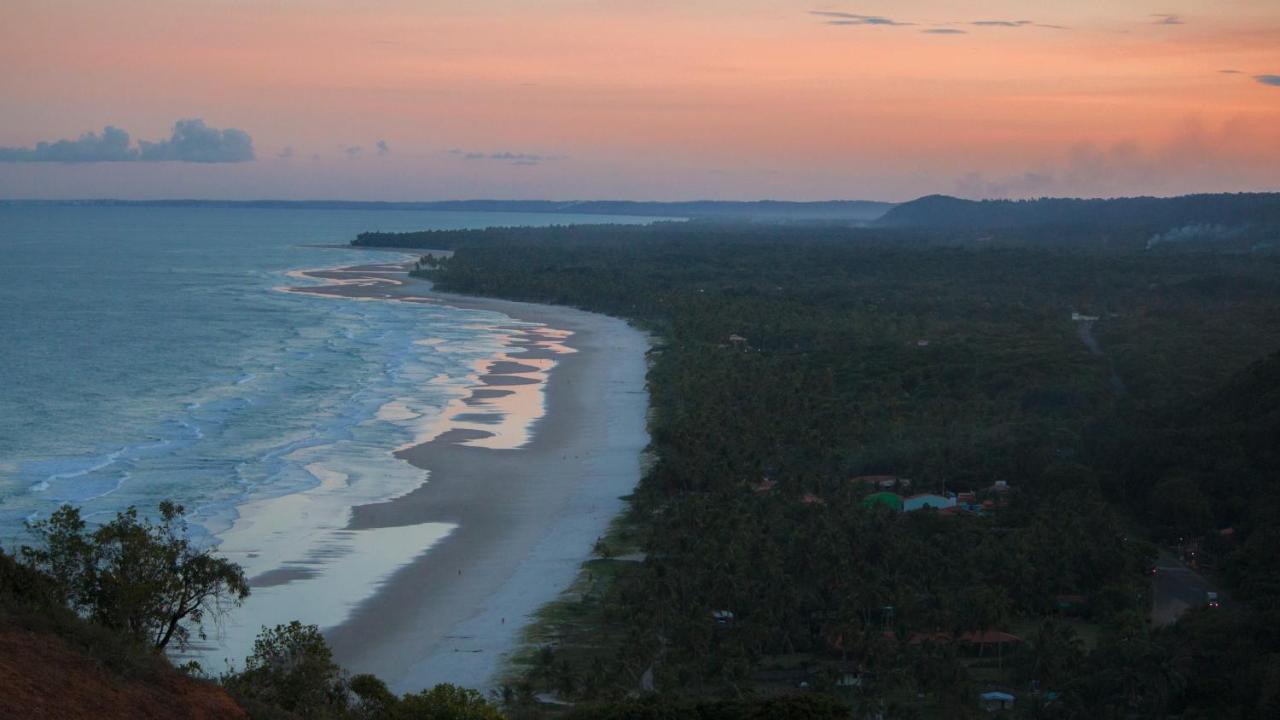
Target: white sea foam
point(308, 565)
point(195, 382)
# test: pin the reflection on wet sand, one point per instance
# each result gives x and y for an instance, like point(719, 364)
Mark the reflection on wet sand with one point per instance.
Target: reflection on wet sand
point(506, 394)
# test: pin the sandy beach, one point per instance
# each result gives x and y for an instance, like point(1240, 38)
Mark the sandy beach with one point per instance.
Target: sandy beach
point(526, 500)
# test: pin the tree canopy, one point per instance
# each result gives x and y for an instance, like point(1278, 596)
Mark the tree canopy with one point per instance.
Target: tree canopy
point(144, 578)
point(1075, 393)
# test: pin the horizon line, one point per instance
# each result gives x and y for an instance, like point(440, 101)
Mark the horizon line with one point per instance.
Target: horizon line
point(570, 202)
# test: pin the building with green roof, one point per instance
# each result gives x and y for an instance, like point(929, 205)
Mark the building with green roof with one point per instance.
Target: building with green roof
point(890, 500)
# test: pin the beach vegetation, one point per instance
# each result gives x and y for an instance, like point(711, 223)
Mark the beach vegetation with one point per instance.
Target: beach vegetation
point(127, 590)
point(142, 577)
point(291, 674)
point(291, 670)
point(795, 707)
point(445, 702)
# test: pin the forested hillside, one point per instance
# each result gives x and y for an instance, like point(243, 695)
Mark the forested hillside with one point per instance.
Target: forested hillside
point(1222, 209)
point(1212, 465)
point(801, 371)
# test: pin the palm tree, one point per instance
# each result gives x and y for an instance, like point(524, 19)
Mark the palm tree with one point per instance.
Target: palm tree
point(1052, 653)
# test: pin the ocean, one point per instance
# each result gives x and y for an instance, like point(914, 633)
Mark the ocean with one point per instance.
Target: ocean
point(148, 353)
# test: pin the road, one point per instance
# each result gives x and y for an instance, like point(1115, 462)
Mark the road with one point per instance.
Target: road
point(1086, 336)
point(1177, 588)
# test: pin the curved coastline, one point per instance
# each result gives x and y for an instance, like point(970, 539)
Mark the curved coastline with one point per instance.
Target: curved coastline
point(525, 506)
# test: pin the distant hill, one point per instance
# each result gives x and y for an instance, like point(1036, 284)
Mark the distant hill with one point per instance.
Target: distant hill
point(768, 210)
point(941, 211)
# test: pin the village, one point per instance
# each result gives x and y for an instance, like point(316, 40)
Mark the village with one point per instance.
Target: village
point(984, 651)
point(1176, 587)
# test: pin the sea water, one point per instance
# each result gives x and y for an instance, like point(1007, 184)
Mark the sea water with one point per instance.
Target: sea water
point(148, 353)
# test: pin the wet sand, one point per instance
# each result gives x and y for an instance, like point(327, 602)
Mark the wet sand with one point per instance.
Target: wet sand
point(526, 517)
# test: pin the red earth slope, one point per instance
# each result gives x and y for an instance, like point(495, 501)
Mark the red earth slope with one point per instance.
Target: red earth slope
point(44, 676)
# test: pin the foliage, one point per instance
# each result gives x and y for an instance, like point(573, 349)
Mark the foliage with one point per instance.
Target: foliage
point(291, 669)
point(32, 601)
point(291, 673)
point(791, 707)
point(142, 584)
point(445, 702)
point(142, 578)
point(809, 356)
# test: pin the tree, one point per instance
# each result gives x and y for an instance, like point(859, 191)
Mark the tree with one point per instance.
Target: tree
point(446, 702)
point(64, 555)
point(291, 673)
point(374, 700)
point(1180, 508)
point(1052, 655)
point(143, 578)
point(980, 607)
point(565, 678)
point(292, 669)
point(545, 662)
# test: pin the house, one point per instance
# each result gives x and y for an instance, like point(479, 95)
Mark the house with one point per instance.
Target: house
point(981, 640)
point(883, 499)
point(989, 638)
point(999, 492)
point(927, 500)
point(920, 638)
point(967, 502)
point(996, 701)
point(883, 482)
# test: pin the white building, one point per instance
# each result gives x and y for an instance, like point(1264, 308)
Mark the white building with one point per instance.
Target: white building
point(927, 500)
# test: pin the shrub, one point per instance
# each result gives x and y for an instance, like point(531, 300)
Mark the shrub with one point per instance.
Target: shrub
point(144, 579)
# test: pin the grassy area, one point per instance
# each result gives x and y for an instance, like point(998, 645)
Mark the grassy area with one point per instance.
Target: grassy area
point(578, 631)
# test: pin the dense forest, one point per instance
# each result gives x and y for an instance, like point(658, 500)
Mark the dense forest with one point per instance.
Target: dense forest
point(1075, 236)
point(1085, 409)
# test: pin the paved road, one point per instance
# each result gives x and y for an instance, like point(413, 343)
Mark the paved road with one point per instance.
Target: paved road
point(1177, 588)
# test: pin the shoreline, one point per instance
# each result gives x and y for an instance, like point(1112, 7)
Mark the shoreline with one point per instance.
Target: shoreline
point(525, 508)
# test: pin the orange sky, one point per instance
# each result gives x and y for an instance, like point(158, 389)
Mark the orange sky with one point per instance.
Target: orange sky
point(651, 99)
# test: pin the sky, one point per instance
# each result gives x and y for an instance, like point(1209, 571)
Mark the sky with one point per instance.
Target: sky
point(637, 99)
